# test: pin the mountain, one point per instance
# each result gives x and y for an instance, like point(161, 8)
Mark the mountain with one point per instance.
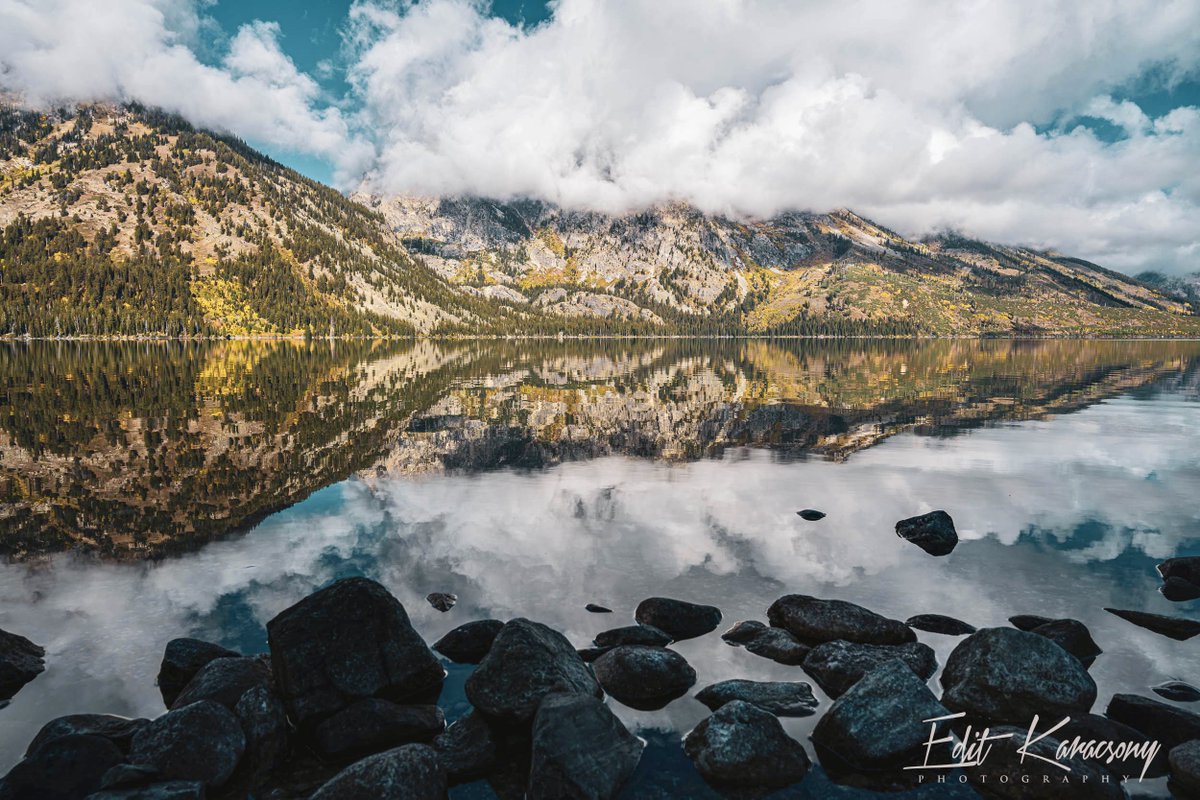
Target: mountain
point(1180, 287)
point(127, 221)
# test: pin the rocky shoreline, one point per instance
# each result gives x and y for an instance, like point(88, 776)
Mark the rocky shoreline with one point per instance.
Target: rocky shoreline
point(344, 705)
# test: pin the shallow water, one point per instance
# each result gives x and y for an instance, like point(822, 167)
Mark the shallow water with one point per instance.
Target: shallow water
point(533, 480)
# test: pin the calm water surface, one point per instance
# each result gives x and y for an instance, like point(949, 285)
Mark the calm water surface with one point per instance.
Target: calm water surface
point(154, 491)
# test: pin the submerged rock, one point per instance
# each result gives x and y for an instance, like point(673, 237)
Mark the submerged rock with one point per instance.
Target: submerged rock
point(468, 644)
point(811, 514)
point(182, 659)
point(1178, 691)
point(410, 772)
point(642, 677)
point(937, 623)
point(1169, 725)
point(200, 742)
point(679, 619)
point(1073, 636)
point(580, 750)
point(933, 532)
point(20, 662)
point(442, 601)
point(527, 661)
point(595, 609)
point(467, 749)
point(118, 730)
point(741, 745)
point(782, 698)
point(350, 640)
point(1027, 622)
point(1176, 628)
point(632, 634)
point(813, 620)
point(224, 681)
point(838, 665)
point(773, 643)
point(1008, 675)
point(879, 723)
point(370, 725)
point(67, 768)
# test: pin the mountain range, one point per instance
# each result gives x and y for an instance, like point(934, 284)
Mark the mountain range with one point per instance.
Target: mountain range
point(126, 221)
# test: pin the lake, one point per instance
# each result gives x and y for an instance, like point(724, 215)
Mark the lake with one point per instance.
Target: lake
point(155, 490)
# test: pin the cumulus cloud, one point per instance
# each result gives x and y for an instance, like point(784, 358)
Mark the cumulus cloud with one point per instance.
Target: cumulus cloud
point(922, 115)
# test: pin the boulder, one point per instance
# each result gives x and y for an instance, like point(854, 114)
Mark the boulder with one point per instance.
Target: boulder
point(879, 723)
point(169, 790)
point(813, 620)
point(201, 742)
point(590, 654)
point(442, 601)
point(679, 619)
point(370, 725)
point(410, 772)
point(1185, 768)
point(1073, 636)
point(838, 665)
point(350, 640)
point(741, 745)
point(182, 659)
point(123, 776)
point(1178, 691)
point(467, 749)
point(67, 768)
point(773, 643)
point(933, 532)
point(632, 634)
point(20, 662)
point(642, 677)
point(811, 514)
point(1178, 590)
point(580, 750)
point(1027, 622)
point(224, 681)
point(1184, 568)
point(1169, 725)
point(468, 644)
point(595, 609)
point(1095, 728)
point(118, 730)
point(781, 698)
point(937, 623)
point(1007, 774)
point(1008, 675)
point(1176, 628)
point(527, 661)
point(264, 723)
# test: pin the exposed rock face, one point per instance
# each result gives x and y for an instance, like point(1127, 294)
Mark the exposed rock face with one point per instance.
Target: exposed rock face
point(1177, 691)
point(468, 644)
point(933, 532)
point(938, 623)
point(467, 749)
point(118, 730)
point(181, 661)
point(1006, 775)
point(1176, 628)
point(411, 772)
point(66, 768)
point(348, 641)
point(580, 750)
point(678, 618)
point(838, 665)
point(1169, 725)
point(879, 723)
point(633, 634)
point(201, 742)
point(644, 677)
point(1007, 675)
point(781, 698)
point(370, 725)
point(813, 620)
point(741, 745)
point(1073, 636)
point(224, 680)
point(527, 661)
point(20, 662)
point(773, 643)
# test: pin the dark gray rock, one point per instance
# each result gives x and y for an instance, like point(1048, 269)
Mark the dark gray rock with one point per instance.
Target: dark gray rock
point(632, 634)
point(224, 681)
point(1095, 728)
point(933, 532)
point(1006, 775)
point(595, 609)
point(1176, 628)
point(781, 698)
point(66, 768)
point(169, 790)
point(1185, 568)
point(1185, 768)
point(467, 749)
point(410, 772)
point(123, 776)
point(811, 514)
point(938, 623)
point(879, 723)
point(580, 750)
point(1008, 675)
point(348, 641)
point(838, 665)
point(370, 725)
point(773, 643)
point(590, 654)
point(527, 661)
point(645, 678)
point(1178, 590)
point(442, 601)
point(813, 620)
point(1169, 725)
point(679, 619)
point(118, 730)
point(1073, 636)
point(264, 723)
point(1177, 691)
point(1027, 622)
point(741, 745)
point(181, 661)
point(468, 644)
point(20, 662)
point(201, 742)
